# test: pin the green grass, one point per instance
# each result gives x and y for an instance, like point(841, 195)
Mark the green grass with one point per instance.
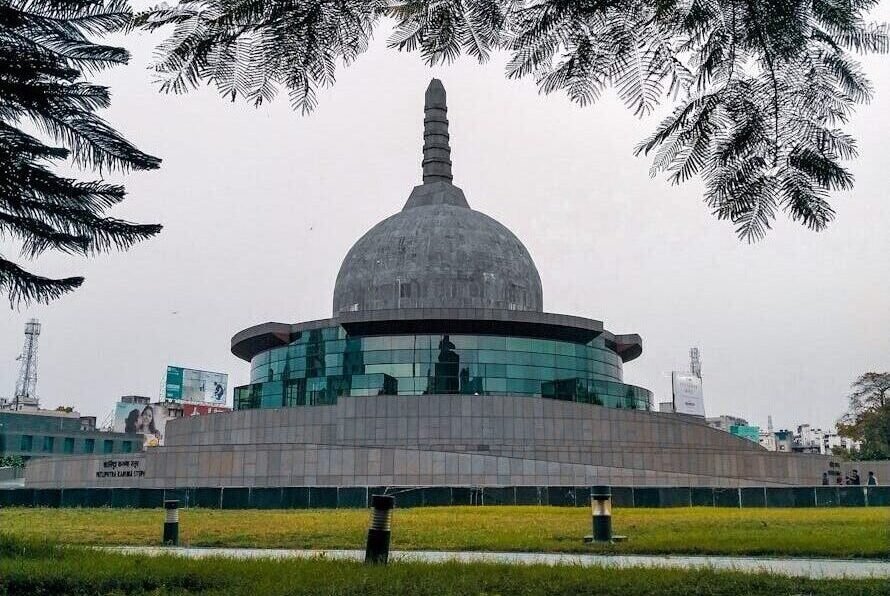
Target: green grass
point(828, 532)
point(39, 569)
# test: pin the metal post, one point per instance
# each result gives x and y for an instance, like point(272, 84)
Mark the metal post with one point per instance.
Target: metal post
point(601, 505)
point(379, 529)
point(171, 523)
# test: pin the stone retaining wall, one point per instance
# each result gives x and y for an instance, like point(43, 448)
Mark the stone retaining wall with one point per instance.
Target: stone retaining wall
point(448, 440)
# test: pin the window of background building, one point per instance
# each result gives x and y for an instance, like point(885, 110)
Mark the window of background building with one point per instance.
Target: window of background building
point(27, 442)
point(48, 444)
point(89, 445)
point(68, 445)
point(126, 447)
point(107, 446)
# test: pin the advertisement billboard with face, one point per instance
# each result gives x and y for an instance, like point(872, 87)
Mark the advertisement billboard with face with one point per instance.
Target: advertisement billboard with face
point(196, 386)
point(688, 397)
point(148, 420)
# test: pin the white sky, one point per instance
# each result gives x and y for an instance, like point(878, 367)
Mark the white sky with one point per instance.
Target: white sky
point(260, 206)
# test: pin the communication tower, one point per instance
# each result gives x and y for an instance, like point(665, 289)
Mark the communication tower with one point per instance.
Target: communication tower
point(26, 386)
point(694, 362)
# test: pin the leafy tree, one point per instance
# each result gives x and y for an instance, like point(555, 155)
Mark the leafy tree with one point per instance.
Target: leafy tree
point(868, 418)
point(44, 55)
point(762, 88)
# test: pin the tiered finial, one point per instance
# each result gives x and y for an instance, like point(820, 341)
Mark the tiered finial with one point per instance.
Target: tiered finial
point(436, 148)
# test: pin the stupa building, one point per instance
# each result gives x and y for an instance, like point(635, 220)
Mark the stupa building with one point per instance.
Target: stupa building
point(440, 367)
point(437, 299)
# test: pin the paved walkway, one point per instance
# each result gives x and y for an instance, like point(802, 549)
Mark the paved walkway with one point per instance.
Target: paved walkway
point(811, 568)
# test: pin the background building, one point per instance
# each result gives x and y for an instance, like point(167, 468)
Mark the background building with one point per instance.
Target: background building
point(806, 439)
point(745, 431)
point(724, 422)
point(45, 433)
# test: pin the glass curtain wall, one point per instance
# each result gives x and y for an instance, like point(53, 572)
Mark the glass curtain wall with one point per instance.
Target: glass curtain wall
point(324, 364)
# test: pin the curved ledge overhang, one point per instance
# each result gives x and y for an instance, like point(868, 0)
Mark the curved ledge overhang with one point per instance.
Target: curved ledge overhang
point(259, 338)
point(628, 346)
point(249, 342)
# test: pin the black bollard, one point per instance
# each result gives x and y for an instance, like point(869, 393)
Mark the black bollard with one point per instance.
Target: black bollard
point(379, 529)
point(171, 523)
point(601, 505)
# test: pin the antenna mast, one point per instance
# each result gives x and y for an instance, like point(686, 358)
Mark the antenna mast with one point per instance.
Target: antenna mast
point(694, 362)
point(26, 386)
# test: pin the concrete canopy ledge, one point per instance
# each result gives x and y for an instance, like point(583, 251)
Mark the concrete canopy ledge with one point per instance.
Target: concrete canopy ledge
point(249, 342)
point(628, 346)
point(253, 340)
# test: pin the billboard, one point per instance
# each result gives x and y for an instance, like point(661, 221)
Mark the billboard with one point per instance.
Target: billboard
point(148, 420)
point(202, 409)
point(688, 397)
point(196, 386)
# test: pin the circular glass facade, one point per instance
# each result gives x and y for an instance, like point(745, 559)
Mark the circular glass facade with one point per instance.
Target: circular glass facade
point(324, 364)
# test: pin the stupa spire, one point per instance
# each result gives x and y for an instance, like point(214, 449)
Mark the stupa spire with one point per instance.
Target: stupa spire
point(436, 148)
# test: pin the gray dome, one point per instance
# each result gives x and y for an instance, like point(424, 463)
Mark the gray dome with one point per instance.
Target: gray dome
point(438, 253)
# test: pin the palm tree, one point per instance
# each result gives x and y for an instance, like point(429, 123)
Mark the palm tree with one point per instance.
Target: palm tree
point(762, 88)
point(44, 54)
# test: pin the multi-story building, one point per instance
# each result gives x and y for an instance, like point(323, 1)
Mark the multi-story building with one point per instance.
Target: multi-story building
point(725, 422)
point(28, 404)
point(784, 441)
point(831, 439)
point(43, 433)
point(808, 439)
point(746, 431)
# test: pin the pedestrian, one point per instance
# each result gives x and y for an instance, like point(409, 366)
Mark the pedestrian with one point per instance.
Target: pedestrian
point(839, 479)
point(855, 480)
point(872, 479)
point(824, 478)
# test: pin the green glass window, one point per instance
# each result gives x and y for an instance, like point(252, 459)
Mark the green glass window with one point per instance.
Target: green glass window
point(107, 446)
point(378, 343)
point(68, 445)
point(89, 445)
point(27, 443)
point(492, 342)
point(401, 342)
point(48, 444)
point(126, 447)
point(272, 395)
point(323, 364)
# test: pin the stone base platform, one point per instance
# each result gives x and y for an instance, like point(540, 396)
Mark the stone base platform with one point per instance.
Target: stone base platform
point(437, 440)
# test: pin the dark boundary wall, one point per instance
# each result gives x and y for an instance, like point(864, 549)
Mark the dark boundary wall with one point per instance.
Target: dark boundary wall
point(304, 497)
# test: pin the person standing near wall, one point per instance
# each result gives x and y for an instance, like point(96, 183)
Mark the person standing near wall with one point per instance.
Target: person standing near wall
point(872, 479)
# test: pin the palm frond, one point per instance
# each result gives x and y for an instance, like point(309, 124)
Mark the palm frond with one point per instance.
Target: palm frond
point(23, 288)
point(45, 51)
point(761, 90)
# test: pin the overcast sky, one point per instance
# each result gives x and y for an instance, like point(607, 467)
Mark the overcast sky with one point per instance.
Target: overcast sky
point(260, 206)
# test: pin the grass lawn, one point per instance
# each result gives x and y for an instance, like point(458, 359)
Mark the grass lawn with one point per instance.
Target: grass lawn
point(42, 570)
point(824, 532)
